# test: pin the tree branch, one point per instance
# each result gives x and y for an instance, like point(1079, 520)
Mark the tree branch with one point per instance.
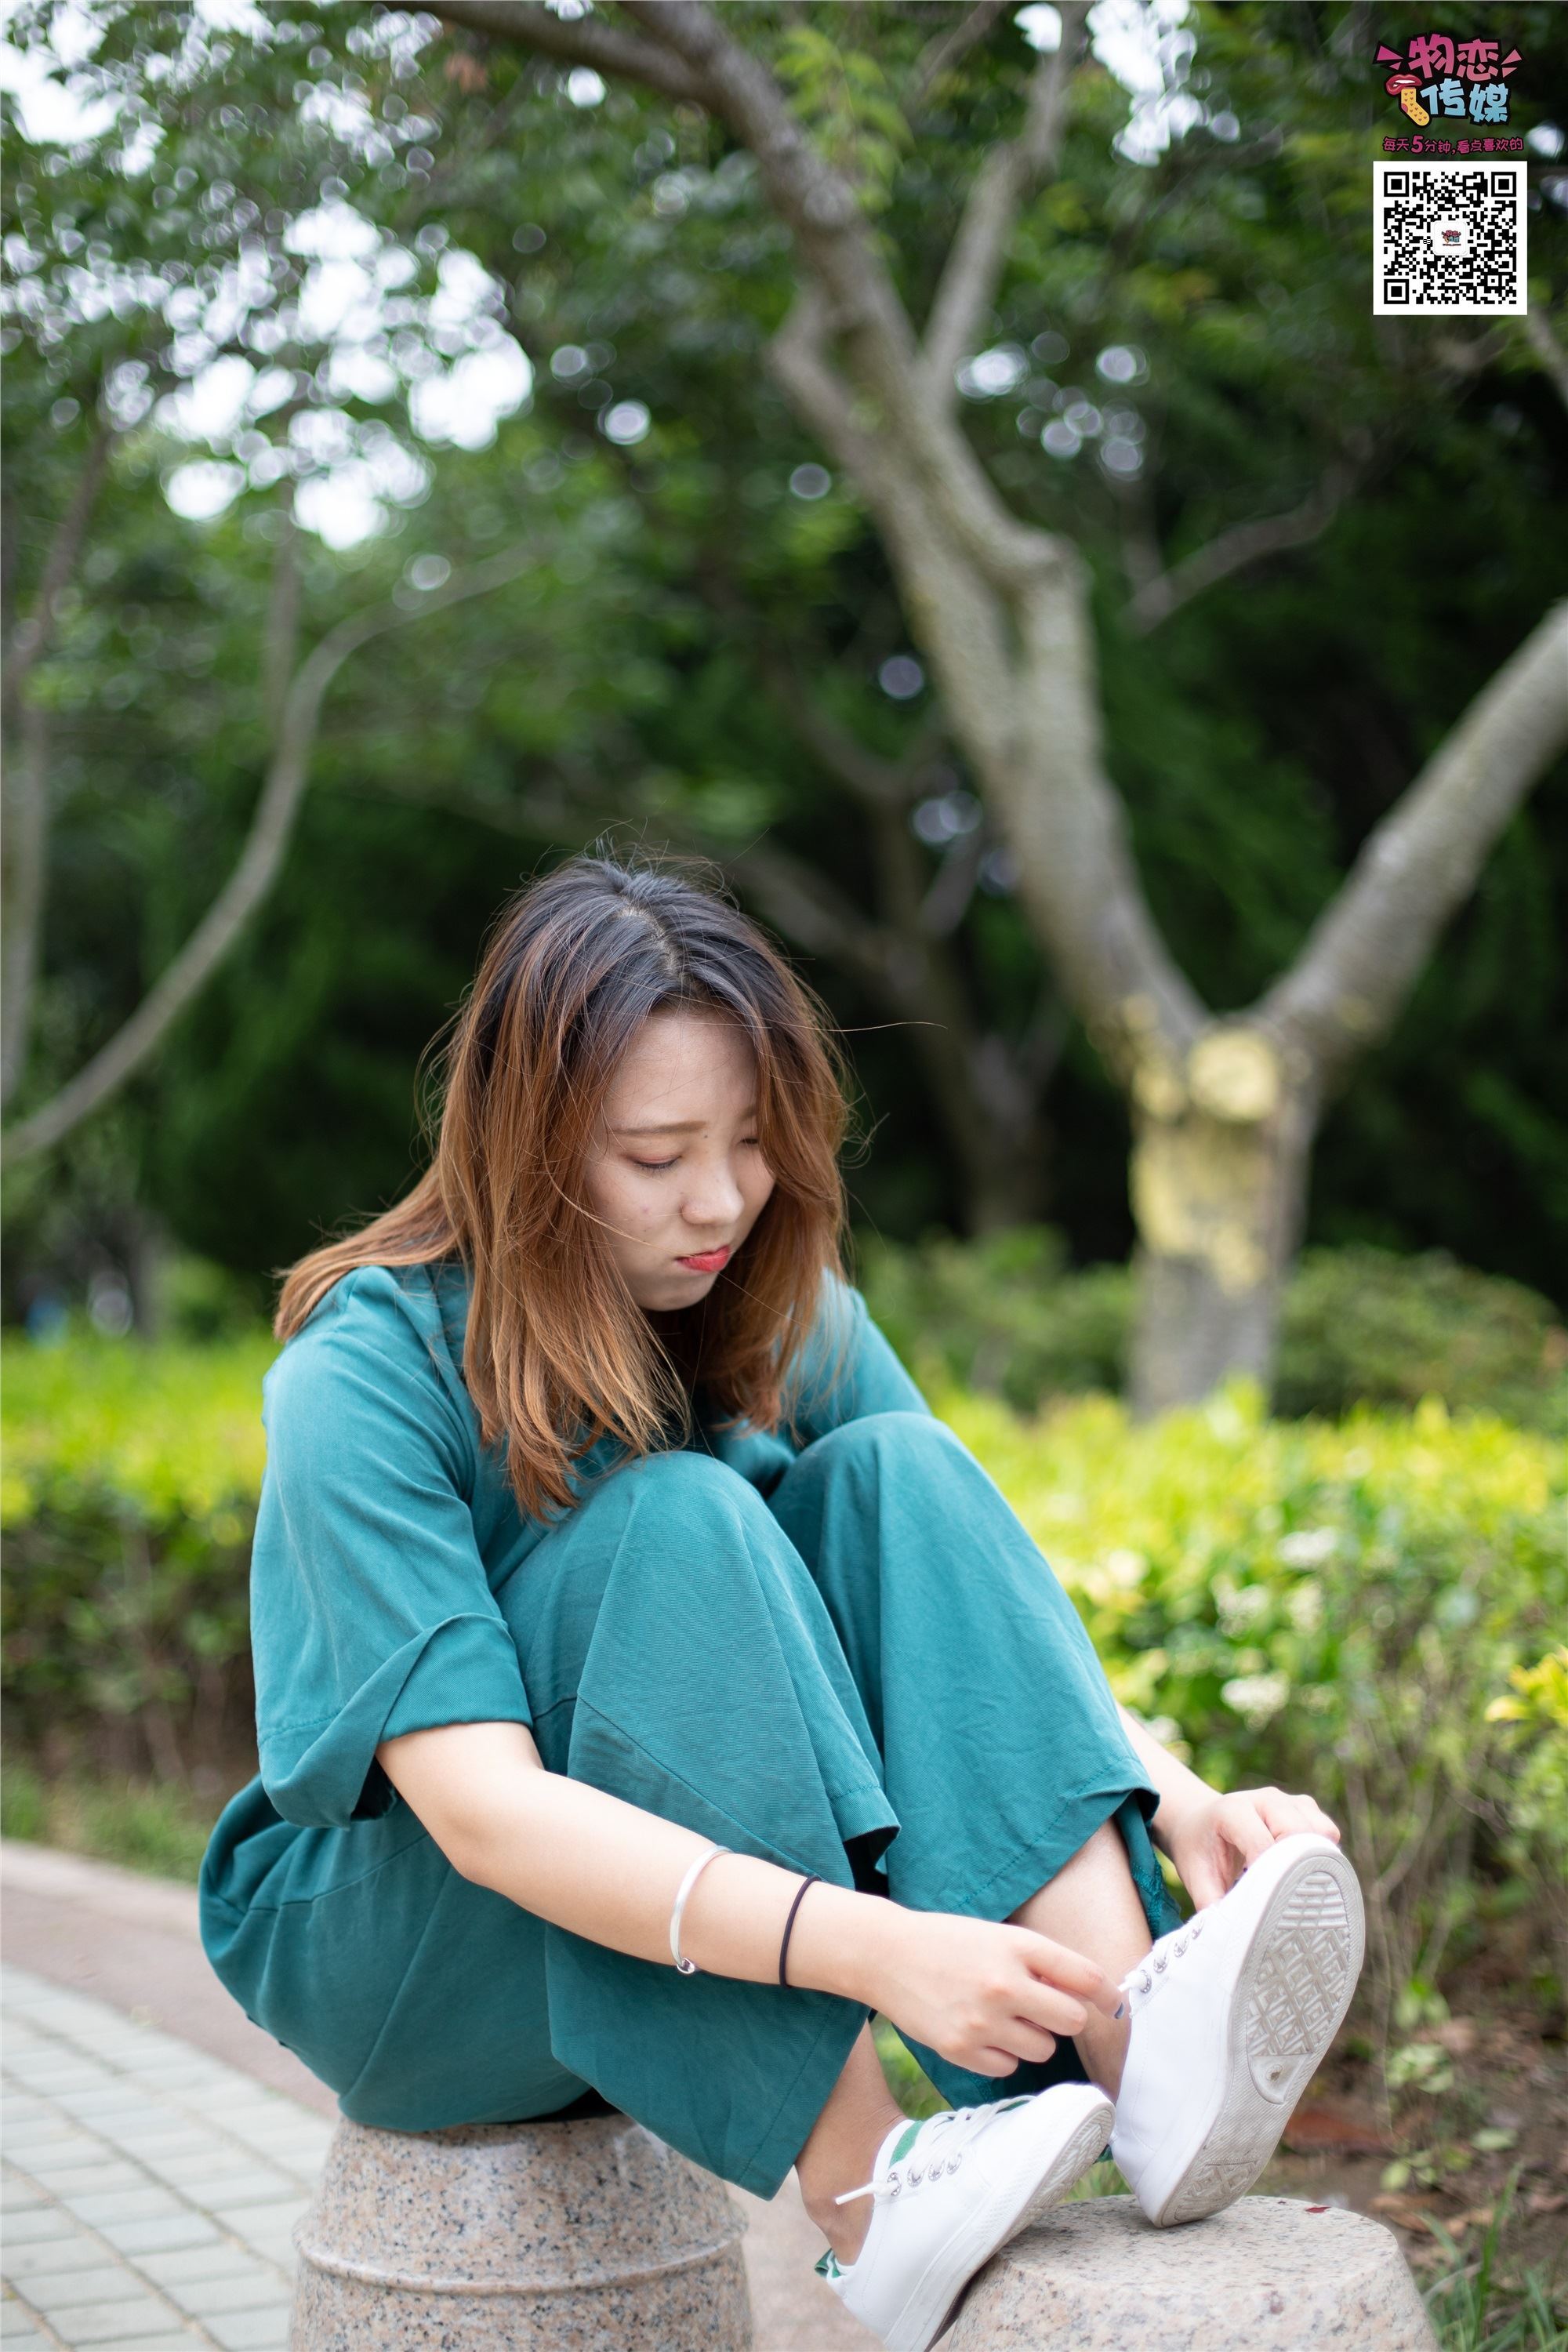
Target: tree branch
point(24, 854)
point(968, 284)
point(1234, 549)
point(59, 563)
point(257, 867)
point(815, 204)
point(1363, 953)
point(811, 911)
point(947, 49)
point(797, 357)
point(575, 40)
point(281, 648)
point(1548, 350)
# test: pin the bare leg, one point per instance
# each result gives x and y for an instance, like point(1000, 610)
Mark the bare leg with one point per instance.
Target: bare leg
point(861, 2113)
point(1093, 1907)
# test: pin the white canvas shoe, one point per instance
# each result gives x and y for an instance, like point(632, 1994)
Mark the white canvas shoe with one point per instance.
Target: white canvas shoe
point(949, 2192)
point(1231, 2017)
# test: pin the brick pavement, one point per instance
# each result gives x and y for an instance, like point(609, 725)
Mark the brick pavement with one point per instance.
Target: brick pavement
point(149, 2190)
point(158, 2149)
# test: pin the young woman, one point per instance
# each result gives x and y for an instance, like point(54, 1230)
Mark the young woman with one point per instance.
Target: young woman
point(649, 1687)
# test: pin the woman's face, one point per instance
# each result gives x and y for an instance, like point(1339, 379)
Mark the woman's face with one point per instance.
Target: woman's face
point(677, 1175)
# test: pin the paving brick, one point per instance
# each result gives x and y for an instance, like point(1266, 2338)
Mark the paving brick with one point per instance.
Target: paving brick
point(98, 2322)
point(207, 2298)
point(134, 2238)
point(16, 2324)
point(52, 2139)
point(220, 2260)
point(219, 2184)
point(17, 2332)
point(78, 2285)
point(90, 2106)
point(69, 2249)
point(127, 2204)
point(36, 2223)
point(270, 2220)
point(184, 2339)
point(278, 2251)
point(159, 2140)
point(109, 2176)
point(251, 2331)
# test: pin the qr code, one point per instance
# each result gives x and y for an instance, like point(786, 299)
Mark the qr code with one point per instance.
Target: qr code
point(1449, 239)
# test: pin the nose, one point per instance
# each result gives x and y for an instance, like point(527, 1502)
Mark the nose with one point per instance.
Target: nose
point(714, 1202)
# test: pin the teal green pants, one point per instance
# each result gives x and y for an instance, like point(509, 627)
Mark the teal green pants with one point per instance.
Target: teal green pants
point(858, 1666)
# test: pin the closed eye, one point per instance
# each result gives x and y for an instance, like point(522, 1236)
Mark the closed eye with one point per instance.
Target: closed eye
point(657, 1167)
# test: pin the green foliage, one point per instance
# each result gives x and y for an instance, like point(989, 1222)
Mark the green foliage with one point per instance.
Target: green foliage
point(1003, 1314)
point(1473, 2311)
point(1360, 1326)
point(1369, 1607)
point(1336, 1607)
point(632, 680)
point(128, 1500)
point(1368, 1324)
point(144, 1826)
point(845, 98)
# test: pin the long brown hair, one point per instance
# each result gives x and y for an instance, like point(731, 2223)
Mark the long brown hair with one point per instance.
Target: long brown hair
point(558, 1354)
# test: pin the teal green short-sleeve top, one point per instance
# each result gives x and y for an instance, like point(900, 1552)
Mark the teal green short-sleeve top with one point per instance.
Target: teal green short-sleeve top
point(385, 1528)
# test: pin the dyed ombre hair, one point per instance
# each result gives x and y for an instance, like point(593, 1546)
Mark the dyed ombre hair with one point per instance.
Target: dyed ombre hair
point(558, 1354)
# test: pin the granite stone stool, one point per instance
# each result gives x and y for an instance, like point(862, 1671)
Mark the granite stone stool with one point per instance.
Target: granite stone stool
point(1269, 2275)
point(589, 2236)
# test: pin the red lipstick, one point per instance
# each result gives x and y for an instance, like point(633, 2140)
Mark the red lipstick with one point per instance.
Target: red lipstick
point(707, 1261)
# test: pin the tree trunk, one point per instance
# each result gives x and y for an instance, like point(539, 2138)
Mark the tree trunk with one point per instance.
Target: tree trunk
point(1221, 1148)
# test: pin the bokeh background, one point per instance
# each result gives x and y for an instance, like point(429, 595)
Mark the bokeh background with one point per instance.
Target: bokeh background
point(396, 498)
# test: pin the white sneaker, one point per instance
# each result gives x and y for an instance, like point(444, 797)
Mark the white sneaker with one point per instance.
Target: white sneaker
point(949, 2192)
point(1231, 2017)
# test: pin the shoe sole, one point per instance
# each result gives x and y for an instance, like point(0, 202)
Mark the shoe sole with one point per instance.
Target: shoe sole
point(933, 2305)
point(1291, 1996)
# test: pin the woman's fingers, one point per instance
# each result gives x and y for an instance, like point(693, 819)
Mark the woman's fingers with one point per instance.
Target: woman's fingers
point(1288, 1815)
point(1028, 2040)
point(1042, 2005)
point(989, 2061)
point(1059, 1964)
point(1205, 1881)
point(1242, 1825)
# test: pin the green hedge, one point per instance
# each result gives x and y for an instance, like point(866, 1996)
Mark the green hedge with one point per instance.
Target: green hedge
point(1369, 1608)
point(1361, 1326)
point(1372, 1609)
point(128, 1499)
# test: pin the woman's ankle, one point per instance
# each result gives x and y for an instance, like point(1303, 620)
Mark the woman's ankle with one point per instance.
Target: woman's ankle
point(842, 2150)
point(843, 2226)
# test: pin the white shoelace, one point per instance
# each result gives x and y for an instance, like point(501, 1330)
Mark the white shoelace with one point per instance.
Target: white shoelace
point(925, 2161)
point(1145, 1980)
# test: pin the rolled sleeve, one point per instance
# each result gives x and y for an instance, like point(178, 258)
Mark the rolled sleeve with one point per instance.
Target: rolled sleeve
point(371, 1612)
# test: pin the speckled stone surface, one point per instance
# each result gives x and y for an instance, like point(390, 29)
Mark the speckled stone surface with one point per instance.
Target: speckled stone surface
point(581, 2237)
point(1270, 2275)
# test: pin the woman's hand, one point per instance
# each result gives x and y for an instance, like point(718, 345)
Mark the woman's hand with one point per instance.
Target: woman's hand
point(1212, 1841)
point(983, 1994)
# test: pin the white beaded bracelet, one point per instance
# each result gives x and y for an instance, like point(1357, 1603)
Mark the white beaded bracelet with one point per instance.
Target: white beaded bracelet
point(689, 1968)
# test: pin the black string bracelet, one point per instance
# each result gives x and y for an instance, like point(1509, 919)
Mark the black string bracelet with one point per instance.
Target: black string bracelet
point(789, 1924)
